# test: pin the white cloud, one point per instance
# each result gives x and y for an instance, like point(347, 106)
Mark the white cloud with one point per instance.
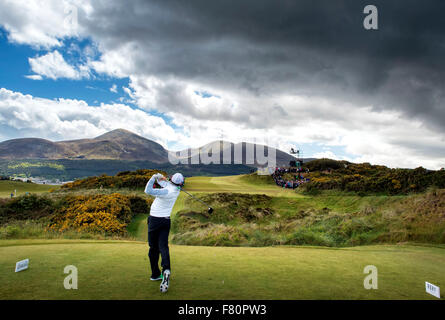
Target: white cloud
point(34, 77)
point(40, 23)
point(28, 116)
point(118, 63)
point(53, 66)
point(326, 154)
point(113, 88)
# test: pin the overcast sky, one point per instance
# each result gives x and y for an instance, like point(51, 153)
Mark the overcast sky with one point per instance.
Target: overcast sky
point(302, 74)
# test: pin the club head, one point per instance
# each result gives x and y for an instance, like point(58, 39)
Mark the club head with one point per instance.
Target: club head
point(210, 210)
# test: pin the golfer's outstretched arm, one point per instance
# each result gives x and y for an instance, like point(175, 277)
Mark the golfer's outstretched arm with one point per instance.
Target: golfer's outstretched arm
point(154, 192)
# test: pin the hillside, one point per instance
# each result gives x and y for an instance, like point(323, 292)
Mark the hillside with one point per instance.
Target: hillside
point(33, 148)
point(120, 145)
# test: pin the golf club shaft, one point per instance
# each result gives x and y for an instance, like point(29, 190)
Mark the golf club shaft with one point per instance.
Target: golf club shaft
point(196, 198)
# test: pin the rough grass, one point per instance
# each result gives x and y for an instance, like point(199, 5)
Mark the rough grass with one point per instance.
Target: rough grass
point(119, 270)
point(138, 227)
point(327, 220)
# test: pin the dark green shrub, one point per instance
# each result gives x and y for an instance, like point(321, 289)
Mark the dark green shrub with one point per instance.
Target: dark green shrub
point(324, 164)
point(364, 178)
point(127, 179)
point(26, 207)
point(140, 205)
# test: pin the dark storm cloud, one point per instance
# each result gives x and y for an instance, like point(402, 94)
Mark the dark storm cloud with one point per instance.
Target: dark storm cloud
point(291, 47)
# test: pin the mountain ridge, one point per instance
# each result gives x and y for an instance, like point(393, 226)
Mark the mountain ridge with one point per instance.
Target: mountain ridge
point(121, 144)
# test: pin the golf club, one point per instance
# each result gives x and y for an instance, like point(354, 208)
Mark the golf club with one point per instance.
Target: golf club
point(209, 210)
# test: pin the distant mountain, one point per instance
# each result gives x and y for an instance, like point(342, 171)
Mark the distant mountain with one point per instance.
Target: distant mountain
point(121, 144)
point(118, 144)
point(245, 153)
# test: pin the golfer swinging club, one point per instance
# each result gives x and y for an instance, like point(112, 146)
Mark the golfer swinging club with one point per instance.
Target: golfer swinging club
point(159, 224)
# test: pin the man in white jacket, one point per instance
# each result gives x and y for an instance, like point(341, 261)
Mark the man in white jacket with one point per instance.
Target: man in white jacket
point(159, 224)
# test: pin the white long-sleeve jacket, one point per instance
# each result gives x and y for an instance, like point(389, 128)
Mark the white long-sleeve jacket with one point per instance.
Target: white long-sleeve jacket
point(165, 197)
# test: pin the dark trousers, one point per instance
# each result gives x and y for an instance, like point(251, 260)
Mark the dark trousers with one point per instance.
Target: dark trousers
point(158, 230)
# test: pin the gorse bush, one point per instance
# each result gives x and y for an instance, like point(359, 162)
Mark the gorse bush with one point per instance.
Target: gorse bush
point(99, 213)
point(123, 180)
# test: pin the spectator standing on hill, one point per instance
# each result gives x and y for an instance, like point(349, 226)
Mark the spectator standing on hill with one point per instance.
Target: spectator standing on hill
point(159, 224)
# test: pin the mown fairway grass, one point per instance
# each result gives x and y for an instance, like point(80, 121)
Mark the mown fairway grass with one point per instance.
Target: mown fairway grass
point(119, 270)
point(8, 187)
point(237, 184)
point(343, 201)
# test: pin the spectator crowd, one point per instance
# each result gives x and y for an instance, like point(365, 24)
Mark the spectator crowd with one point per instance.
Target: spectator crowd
point(298, 177)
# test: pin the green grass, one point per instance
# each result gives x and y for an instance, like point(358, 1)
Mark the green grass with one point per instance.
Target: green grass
point(8, 187)
point(119, 270)
point(238, 184)
point(138, 227)
point(283, 199)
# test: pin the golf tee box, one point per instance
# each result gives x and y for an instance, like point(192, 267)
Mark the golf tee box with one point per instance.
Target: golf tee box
point(22, 265)
point(432, 289)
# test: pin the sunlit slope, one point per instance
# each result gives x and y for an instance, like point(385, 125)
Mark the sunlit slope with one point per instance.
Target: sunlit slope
point(8, 187)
